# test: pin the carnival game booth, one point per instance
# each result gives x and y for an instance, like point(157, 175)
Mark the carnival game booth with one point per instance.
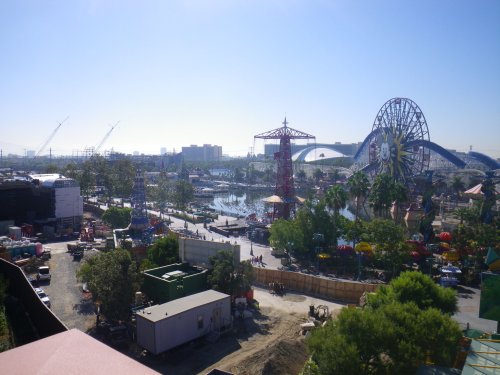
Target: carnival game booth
point(449, 276)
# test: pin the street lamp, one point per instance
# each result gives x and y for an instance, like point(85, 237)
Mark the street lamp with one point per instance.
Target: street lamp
point(318, 239)
point(359, 264)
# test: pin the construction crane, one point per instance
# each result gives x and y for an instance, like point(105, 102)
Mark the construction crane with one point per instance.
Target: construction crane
point(50, 138)
point(106, 137)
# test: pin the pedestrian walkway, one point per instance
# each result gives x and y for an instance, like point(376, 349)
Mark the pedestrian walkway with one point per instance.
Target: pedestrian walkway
point(246, 246)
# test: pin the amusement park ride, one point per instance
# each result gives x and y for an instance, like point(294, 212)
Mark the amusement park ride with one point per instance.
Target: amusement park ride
point(139, 221)
point(284, 190)
point(399, 145)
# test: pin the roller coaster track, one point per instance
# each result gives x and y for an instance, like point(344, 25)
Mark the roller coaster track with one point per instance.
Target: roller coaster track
point(422, 143)
point(485, 159)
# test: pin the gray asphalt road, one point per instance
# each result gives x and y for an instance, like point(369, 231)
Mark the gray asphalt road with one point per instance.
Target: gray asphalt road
point(68, 301)
point(468, 305)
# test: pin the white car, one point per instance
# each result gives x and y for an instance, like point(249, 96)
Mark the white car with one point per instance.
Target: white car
point(43, 273)
point(43, 296)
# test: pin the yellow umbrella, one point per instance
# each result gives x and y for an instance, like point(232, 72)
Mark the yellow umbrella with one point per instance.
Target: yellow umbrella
point(324, 256)
point(451, 256)
point(363, 246)
point(273, 199)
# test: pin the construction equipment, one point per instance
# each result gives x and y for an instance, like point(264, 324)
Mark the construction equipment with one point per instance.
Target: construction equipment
point(320, 312)
point(50, 138)
point(106, 137)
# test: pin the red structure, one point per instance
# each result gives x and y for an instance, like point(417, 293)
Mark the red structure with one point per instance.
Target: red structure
point(284, 177)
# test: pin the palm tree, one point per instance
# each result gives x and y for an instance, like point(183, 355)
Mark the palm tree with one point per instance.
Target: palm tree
point(380, 194)
point(458, 186)
point(358, 185)
point(317, 175)
point(301, 175)
point(399, 195)
point(335, 199)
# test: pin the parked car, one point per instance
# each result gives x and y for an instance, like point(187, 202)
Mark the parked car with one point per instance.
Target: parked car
point(118, 336)
point(43, 273)
point(43, 296)
point(47, 252)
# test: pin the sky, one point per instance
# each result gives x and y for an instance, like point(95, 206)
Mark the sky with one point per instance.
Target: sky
point(177, 73)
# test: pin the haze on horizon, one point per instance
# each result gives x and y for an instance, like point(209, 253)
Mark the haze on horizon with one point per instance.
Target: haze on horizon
point(177, 73)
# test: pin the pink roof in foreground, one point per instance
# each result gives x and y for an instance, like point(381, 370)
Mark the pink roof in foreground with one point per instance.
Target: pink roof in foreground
point(70, 352)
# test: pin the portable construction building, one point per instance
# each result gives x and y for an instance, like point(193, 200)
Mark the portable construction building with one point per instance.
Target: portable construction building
point(165, 326)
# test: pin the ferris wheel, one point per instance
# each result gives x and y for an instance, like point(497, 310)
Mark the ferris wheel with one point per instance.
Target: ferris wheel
point(396, 145)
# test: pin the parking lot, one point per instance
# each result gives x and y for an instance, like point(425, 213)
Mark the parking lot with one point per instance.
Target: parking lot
point(68, 302)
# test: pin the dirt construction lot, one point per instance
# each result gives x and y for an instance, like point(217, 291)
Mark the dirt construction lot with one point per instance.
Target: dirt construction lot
point(269, 343)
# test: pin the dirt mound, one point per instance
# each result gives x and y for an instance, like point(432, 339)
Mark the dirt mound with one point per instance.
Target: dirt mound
point(285, 357)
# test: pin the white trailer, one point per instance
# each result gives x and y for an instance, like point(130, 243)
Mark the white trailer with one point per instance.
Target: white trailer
point(165, 326)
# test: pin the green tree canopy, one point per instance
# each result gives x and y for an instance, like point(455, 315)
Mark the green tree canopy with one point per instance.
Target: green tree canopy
point(182, 194)
point(380, 196)
point(312, 218)
point(286, 235)
point(317, 175)
point(336, 200)
point(113, 279)
point(457, 185)
point(301, 175)
point(160, 194)
point(359, 186)
point(420, 289)
point(117, 217)
point(385, 337)
point(164, 251)
point(122, 178)
point(227, 278)
point(221, 276)
point(390, 246)
point(385, 234)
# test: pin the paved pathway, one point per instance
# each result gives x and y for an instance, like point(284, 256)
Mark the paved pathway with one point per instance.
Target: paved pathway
point(246, 246)
point(468, 298)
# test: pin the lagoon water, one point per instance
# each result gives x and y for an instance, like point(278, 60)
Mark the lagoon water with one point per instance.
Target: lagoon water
point(243, 203)
point(239, 203)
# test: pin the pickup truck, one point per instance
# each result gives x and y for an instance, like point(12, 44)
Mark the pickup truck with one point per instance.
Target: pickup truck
point(43, 273)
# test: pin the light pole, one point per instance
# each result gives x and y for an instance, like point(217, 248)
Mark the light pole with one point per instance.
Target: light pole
point(359, 264)
point(318, 239)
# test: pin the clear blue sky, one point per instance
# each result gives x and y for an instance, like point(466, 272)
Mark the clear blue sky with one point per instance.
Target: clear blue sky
point(177, 73)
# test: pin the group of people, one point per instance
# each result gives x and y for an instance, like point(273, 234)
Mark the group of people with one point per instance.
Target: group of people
point(257, 260)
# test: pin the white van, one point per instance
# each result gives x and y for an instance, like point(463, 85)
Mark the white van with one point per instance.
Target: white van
point(43, 273)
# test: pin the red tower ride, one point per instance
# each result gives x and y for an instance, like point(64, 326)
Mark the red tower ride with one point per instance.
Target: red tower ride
point(284, 177)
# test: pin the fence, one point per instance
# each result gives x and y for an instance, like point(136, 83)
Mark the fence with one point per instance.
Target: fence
point(345, 291)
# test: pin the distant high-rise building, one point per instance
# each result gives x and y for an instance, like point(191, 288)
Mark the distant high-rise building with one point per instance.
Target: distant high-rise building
point(202, 153)
point(163, 151)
